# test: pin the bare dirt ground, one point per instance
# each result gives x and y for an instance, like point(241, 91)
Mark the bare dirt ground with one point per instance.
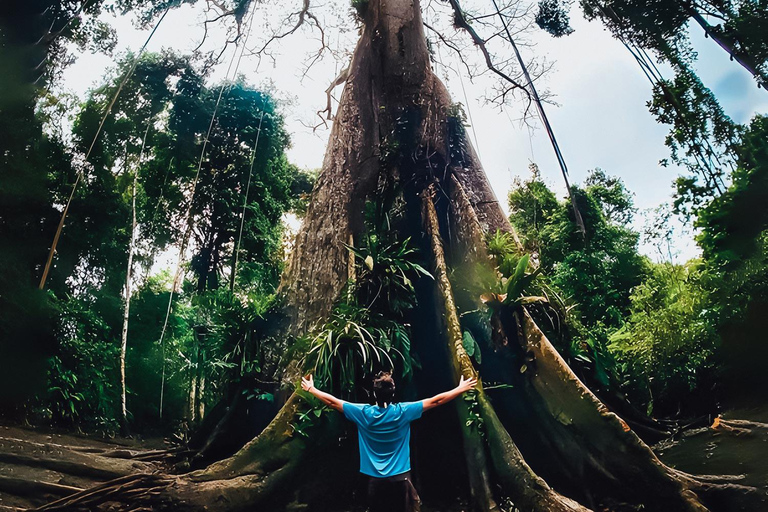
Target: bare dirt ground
point(38, 466)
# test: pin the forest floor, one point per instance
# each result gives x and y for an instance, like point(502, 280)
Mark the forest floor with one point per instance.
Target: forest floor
point(40, 465)
point(741, 451)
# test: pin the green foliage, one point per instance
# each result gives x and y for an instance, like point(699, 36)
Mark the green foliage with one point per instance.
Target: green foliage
point(745, 29)
point(732, 224)
point(231, 350)
point(308, 419)
point(83, 375)
point(502, 248)
point(218, 201)
point(701, 137)
point(553, 17)
point(660, 25)
point(587, 283)
point(355, 341)
point(615, 201)
point(474, 420)
point(654, 330)
point(599, 273)
point(164, 112)
point(210, 337)
point(146, 357)
point(519, 281)
point(27, 220)
point(508, 292)
point(648, 24)
point(301, 189)
point(168, 95)
point(584, 346)
point(471, 347)
point(666, 349)
point(384, 266)
point(734, 240)
point(533, 207)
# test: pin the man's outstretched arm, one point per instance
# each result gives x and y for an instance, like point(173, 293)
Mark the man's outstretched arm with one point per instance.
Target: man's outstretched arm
point(444, 398)
point(308, 384)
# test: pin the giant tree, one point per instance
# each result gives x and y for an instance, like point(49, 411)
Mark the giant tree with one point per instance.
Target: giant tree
point(396, 124)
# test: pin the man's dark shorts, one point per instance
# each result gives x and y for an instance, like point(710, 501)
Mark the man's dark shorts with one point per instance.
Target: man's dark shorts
point(393, 494)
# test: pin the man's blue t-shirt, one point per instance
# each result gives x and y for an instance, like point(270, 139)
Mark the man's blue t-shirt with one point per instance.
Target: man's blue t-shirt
point(384, 434)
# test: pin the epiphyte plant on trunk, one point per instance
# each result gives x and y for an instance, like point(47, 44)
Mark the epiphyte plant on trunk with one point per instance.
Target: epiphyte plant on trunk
point(366, 331)
point(513, 288)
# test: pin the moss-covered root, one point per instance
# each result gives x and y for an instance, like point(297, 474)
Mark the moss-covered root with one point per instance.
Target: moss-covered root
point(253, 476)
point(528, 490)
point(274, 447)
point(474, 451)
point(615, 449)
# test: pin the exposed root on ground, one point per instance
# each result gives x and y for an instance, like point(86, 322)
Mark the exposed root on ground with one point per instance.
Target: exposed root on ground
point(131, 489)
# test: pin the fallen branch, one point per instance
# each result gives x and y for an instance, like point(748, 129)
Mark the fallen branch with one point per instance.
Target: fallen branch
point(62, 466)
point(23, 487)
point(737, 427)
point(342, 78)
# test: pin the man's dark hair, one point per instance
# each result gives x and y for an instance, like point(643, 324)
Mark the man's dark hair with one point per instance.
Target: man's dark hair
point(383, 388)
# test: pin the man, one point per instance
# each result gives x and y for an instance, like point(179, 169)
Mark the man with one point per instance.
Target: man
point(384, 433)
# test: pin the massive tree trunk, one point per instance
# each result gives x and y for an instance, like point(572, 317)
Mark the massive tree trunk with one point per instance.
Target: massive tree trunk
point(396, 122)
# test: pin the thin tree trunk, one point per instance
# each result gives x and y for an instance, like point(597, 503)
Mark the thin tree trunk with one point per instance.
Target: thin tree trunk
point(236, 252)
point(200, 408)
point(126, 311)
point(191, 409)
point(128, 278)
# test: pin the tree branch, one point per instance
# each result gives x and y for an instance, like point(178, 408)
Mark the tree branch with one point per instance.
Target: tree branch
point(460, 21)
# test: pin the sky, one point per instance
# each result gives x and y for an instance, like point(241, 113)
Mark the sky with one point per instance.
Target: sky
point(599, 113)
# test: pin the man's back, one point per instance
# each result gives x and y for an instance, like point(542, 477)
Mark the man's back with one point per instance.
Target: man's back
point(384, 435)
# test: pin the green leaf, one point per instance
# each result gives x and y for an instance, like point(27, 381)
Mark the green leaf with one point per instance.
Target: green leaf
point(478, 354)
point(516, 282)
point(469, 343)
